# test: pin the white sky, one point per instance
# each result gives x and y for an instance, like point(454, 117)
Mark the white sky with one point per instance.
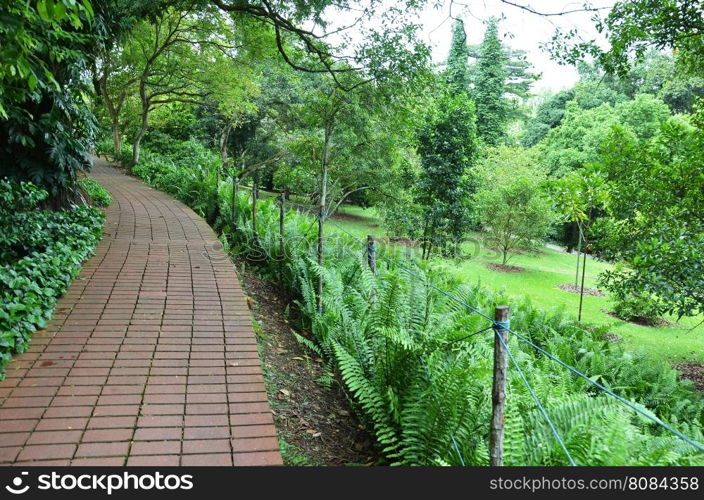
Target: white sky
point(527, 31)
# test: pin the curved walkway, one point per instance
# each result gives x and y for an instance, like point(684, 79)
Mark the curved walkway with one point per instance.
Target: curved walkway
point(150, 358)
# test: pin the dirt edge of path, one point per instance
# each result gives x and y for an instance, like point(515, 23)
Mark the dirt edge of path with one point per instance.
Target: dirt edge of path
point(316, 424)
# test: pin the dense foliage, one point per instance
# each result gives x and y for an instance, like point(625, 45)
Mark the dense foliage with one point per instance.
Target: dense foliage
point(40, 254)
point(213, 100)
point(447, 147)
point(654, 216)
point(46, 126)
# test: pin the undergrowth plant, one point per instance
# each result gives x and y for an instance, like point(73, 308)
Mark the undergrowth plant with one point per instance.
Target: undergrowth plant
point(98, 194)
point(415, 378)
point(40, 254)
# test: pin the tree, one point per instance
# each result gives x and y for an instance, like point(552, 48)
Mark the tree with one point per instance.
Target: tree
point(680, 94)
point(457, 68)
point(512, 207)
point(590, 94)
point(644, 115)
point(575, 142)
point(447, 147)
point(174, 55)
point(653, 222)
point(489, 87)
point(115, 85)
point(548, 116)
point(345, 141)
point(353, 139)
point(519, 74)
point(519, 79)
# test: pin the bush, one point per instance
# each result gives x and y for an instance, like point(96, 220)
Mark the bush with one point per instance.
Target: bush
point(639, 308)
point(40, 254)
point(421, 387)
point(403, 218)
point(192, 183)
point(104, 146)
point(98, 194)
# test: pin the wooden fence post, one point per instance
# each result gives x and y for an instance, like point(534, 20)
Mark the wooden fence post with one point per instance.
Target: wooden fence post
point(371, 253)
point(498, 391)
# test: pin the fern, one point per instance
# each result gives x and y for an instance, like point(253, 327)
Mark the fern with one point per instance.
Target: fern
point(307, 343)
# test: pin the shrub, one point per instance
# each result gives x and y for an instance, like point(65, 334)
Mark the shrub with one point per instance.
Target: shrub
point(40, 254)
point(98, 194)
point(104, 147)
point(403, 218)
point(640, 308)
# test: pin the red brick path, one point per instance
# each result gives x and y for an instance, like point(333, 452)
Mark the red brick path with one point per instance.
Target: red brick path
point(150, 358)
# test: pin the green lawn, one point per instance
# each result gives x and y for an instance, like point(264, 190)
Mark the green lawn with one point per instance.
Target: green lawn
point(544, 271)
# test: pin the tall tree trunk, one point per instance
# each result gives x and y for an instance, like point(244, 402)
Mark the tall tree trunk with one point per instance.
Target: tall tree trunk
point(138, 140)
point(430, 242)
point(282, 235)
point(224, 140)
point(144, 100)
point(425, 238)
point(235, 187)
point(116, 136)
point(321, 214)
point(581, 290)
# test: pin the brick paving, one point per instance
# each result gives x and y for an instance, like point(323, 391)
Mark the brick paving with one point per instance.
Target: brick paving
point(150, 358)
